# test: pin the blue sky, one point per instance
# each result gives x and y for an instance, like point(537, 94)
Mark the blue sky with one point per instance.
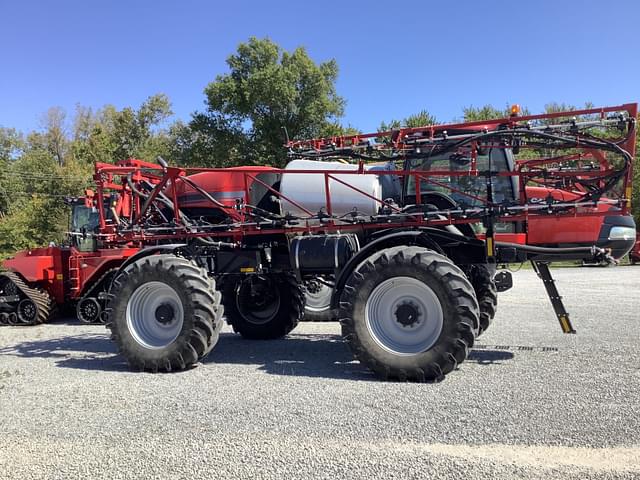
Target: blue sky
point(395, 58)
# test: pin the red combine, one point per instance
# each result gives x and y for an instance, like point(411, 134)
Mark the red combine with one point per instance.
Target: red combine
point(405, 230)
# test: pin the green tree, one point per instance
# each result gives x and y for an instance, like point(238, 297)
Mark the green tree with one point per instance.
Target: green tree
point(39, 170)
point(110, 134)
point(267, 94)
point(420, 119)
point(54, 138)
point(11, 144)
point(31, 222)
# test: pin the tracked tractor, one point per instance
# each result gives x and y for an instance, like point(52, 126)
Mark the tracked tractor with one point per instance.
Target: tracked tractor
point(75, 276)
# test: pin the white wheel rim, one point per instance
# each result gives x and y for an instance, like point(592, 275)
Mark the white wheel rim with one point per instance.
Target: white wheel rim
point(143, 311)
point(417, 332)
point(320, 300)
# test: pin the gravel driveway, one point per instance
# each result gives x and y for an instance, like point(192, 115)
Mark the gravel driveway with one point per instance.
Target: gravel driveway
point(530, 402)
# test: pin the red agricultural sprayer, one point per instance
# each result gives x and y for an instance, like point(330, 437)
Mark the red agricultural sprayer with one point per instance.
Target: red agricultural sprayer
point(399, 234)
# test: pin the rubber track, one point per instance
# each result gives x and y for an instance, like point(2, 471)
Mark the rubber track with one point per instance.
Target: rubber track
point(40, 297)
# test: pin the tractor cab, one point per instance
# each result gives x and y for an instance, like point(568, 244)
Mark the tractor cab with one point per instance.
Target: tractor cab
point(85, 222)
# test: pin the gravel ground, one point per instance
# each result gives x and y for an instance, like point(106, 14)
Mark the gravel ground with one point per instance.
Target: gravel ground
point(530, 402)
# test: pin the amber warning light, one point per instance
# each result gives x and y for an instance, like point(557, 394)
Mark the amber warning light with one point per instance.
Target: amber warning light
point(515, 110)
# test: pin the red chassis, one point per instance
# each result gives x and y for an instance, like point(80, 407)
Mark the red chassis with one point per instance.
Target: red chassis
point(572, 197)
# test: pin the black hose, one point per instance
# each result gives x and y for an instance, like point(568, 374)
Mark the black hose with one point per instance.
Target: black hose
point(549, 250)
point(134, 188)
point(212, 243)
point(160, 197)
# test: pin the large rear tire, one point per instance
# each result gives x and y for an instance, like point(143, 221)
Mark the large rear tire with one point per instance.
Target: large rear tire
point(408, 313)
point(263, 307)
point(164, 313)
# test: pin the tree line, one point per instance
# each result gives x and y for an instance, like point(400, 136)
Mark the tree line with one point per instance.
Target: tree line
point(268, 95)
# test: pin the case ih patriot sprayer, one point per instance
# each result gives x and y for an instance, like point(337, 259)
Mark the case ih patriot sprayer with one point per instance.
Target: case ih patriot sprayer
point(403, 228)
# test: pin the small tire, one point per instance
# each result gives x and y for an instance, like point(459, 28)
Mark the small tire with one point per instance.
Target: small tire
point(318, 302)
point(88, 310)
point(444, 319)
point(164, 313)
point(272, 311)
point(486, 294)
point(43, 304)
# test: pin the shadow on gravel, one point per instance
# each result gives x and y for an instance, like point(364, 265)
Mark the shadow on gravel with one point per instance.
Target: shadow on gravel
point(98, 352)
point(489, 357)
point(313, 355)
point(300, 355)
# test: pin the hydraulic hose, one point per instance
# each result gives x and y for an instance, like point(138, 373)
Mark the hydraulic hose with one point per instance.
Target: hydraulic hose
point(160, 197)
point(550, 250)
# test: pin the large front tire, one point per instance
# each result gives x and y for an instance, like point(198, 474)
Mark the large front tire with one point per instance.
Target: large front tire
point(408, 313)
point(164, 313)
point(263, 307)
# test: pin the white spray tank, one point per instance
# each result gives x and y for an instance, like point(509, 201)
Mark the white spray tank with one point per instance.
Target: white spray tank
point(308, 189)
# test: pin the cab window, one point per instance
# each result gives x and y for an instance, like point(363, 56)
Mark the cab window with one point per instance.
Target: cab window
point(493, 159)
